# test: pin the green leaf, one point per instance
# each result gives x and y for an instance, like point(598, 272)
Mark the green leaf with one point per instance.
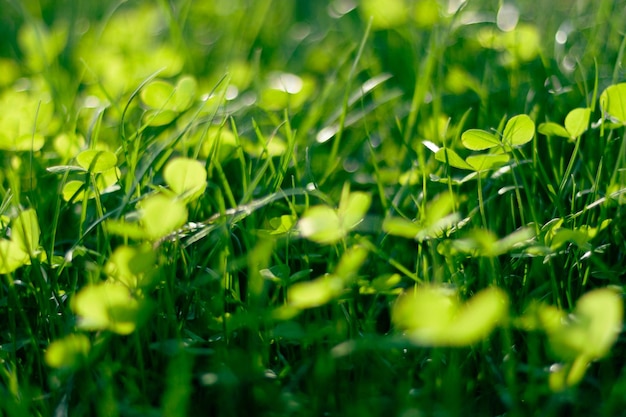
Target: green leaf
point(25, 232)
point(321, 224)
point(12, 256)
point(125, 229)
point(398, 226)
point(184, 93)
point(186, 177)
point(485, 162)
point(553, 129)
point(69, 352)
point(350, 262)
point(592, 328)
point(479, 316)
point(132, 266)
point(433, 315)
point(451, 158)
point(613, 102)
point(158, 117)
point(96, 161)
point(75, 189)
point(161, 215)
point(352, 209)
point(577, 121)
point(478, 140)
point(518, 130)
point(157, 94)
point(106, 307)
point(314, 293)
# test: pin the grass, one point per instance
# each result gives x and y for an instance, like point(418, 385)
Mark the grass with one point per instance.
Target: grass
point(312, 208)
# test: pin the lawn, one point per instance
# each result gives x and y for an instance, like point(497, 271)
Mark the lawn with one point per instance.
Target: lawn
point(312, 208)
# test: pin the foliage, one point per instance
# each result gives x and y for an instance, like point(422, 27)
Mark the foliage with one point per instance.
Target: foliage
point(312, 208)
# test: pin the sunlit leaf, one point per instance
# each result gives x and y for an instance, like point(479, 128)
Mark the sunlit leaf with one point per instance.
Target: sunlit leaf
point(593, 327)
point(485, 162)
point(479, 316)
point(577, 121)
point(519, 130)
point(314, 293)
point(96, 161)
point(385, 14)
point(106, 307)
point(553, 129)
point(613, 102)
point(567, 375)
point(186, 177)
point(26, 232)
point(125, 229)
point(478, 140)
point(451, 158)
point(69, 352)
point(433, 315)
point(398, 226)
point(75, 190)
point(12, 256)
point(158, 117)
point(158, 94)
point(184, 93)
point(161, 215)
point(350, 262)
point(352, 208)
point(132, 266)
point(321, 224)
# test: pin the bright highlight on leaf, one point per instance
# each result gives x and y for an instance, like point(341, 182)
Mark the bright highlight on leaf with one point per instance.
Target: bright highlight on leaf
point(69, 352)
point(325, 225)
point(96, 161)
point(438, 217)
point(433, 315)
point(579, 338)
point(26, 232)
point(576, 123)
point(314, 293)
point(186, 177)
point(613, 102)
point(132, 266)
point(161, 215)
point(107, 307)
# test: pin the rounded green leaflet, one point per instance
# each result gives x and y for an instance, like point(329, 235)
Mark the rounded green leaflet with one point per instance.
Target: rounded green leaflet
point(186, 177)
point(592, 329)
point(161, 95)
point(385, 14)
point(26, 232)
point(478, 140)
point(69, 352)
point(451, 158)
point(433, 315)
point(161, 215)
point(158, 95)
point(519, 130)
point(485, 162)
point(184, 93)
point(75, 190)
point(132, 266)
point(553, 129)
point(106, 306)
point(613, 102)
point(314, 293)
point(12, 256)
point(96, 161)
point(352, 210)
point(577, 121)
point(321, 224)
